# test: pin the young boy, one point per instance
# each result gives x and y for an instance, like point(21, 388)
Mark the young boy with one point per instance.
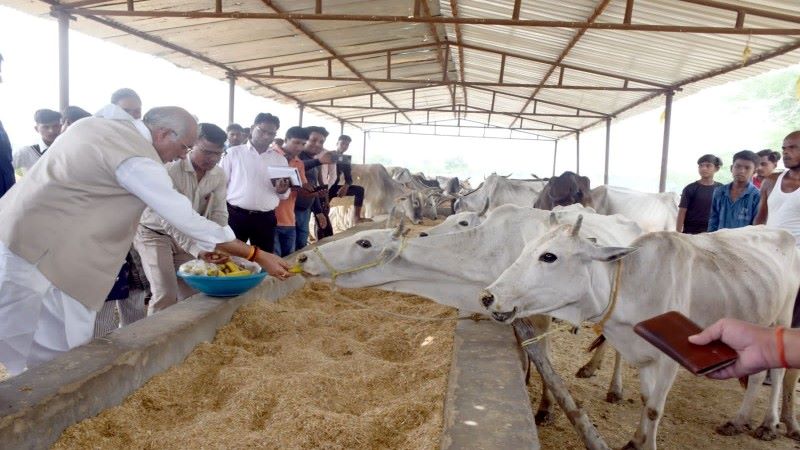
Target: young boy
point(696, 197)
point(48, 126)
point(735, 205)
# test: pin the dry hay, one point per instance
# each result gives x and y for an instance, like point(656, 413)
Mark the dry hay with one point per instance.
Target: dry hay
point(695, 406)
point(309, 371)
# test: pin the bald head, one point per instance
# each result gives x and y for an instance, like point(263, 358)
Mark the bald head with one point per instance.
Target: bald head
point(174, 131)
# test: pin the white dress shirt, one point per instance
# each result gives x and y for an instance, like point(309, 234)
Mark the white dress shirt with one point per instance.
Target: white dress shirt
point(249, 185)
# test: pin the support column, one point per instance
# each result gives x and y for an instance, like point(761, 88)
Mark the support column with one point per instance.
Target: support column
point(555, 156)
point(662, 183)
point(231, 95)
point(578, 152)
point(608, 148)
point(364, 149)
point(301, 107)
point(341, 127)
point(63, 60)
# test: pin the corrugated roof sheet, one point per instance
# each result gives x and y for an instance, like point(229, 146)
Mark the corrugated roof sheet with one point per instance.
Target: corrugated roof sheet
point(340, 67)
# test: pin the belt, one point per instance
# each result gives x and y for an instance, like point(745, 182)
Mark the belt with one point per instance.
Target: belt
point(248, 211)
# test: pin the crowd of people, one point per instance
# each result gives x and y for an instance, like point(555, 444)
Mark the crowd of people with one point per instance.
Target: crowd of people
point(101, 211)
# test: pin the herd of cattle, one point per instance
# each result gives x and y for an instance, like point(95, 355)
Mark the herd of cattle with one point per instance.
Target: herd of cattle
point(563, 259)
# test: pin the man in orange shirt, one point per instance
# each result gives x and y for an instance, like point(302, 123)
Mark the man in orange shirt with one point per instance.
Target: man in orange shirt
point(296, 138)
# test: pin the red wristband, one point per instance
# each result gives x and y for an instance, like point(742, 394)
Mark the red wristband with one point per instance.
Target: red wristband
point(781, 347)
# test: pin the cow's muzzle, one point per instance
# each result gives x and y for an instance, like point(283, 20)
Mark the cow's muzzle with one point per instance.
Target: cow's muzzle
point(423, 234)
point(504, 316)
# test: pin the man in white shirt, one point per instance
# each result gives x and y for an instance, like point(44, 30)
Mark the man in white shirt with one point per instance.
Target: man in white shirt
point(67, 226)
point(163, 248)
point(48, 126)
point(252, 198)
point(129, 101)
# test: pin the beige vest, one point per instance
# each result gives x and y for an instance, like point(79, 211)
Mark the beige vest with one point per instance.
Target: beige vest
point(69, 216)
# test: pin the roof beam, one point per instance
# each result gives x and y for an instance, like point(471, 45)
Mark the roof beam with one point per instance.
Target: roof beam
point(597, 11)
point(459, 41)
point(546, 102)
point(441, 53)
point(447, 109)
point(746, 10)
point(317, 40)
point(608, 26)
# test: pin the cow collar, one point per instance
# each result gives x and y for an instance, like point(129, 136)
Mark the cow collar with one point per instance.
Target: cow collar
point(612, 301)
point(380, 260)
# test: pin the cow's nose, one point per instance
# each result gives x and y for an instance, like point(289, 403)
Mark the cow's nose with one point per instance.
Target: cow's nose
point(423, 234)
point(487, 299)
point(302, 258)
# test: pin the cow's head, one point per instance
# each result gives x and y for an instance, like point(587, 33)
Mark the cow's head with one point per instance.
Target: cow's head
point(565, 189)
point(412, 206)
point(350, 259)
point(458, 222)
point(561, 274)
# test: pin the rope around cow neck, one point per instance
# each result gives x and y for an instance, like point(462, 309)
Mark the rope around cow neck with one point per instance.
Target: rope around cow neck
point(380, 260)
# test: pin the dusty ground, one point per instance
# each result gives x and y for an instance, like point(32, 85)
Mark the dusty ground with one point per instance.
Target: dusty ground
point(311, 371)
point(695, 406)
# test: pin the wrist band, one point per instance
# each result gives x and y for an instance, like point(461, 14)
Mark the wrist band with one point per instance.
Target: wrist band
point(253, 252)
point(781, 348)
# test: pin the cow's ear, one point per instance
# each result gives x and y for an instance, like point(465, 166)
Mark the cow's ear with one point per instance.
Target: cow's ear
point(610, 254)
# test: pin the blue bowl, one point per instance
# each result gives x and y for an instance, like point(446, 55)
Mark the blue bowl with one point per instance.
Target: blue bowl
point(223, 286)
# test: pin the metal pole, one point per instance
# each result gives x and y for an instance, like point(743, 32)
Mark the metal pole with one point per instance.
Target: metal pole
point(364, 150)
point(662, 183)
point(608, 148)
point(300, 119)
point(578, 152)
point(63, 60)
point(231, 95)
point(555, 156)
point(341, 127)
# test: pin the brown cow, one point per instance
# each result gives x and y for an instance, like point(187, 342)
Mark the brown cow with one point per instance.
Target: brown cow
point(564, 190)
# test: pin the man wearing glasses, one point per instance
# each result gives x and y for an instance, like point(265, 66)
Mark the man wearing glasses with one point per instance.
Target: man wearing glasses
point(161, 246)
point(252, 197)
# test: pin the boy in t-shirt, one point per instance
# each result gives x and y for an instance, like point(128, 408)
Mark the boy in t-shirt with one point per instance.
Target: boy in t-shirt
point(695, 205)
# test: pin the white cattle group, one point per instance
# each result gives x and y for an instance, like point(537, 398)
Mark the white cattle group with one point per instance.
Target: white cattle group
point(498, 255)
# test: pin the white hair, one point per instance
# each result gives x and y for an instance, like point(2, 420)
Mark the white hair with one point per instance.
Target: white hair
point(171, 117)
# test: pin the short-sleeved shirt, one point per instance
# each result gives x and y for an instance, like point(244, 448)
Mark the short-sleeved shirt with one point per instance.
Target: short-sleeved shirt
point(726, 213)
point(696, 198)
point(285, 210)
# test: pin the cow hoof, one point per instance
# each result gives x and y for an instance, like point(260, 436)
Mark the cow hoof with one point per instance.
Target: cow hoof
point(630, 446)
point(613, 397)
point(544, 418)
point(765, 433)
point(732, 429)
point(585, 372)
point(794, 434)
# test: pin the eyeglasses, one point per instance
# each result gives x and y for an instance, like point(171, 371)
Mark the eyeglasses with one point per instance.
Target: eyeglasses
point(188, 148)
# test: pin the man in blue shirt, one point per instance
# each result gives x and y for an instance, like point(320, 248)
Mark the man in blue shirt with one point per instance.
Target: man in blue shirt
point(735, 204)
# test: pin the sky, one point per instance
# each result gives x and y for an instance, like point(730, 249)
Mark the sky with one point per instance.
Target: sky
point(701, 123)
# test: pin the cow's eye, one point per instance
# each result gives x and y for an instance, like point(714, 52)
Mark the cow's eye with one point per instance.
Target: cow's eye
point(363, 243)
point(463, 223)
point(548, 257)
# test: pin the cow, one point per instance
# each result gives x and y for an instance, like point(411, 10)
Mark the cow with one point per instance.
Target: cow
point(749, 273)
point(566, 189)
point(653, 212)
point(449, 268)
point(381, 195)
point(458, 222)
point(500, 190)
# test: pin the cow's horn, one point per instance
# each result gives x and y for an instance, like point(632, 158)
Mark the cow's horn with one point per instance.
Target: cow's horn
point(553, 219)
point(390, 218)
point(577, 227)
point(485, 208)
point(399, 230)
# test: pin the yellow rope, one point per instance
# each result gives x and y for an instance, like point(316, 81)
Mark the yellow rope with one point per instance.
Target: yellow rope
point(535, 339)
point(612, 301)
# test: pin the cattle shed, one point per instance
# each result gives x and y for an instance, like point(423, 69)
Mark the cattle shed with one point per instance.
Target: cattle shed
point(518, 69)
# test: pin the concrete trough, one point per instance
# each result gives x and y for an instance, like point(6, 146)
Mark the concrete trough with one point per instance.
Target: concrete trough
point(38, 405)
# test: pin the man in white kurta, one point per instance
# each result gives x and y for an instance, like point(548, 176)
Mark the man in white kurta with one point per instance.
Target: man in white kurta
point(66, 227)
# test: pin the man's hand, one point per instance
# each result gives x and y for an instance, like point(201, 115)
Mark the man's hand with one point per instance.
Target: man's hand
point(326, 157)
point(342, 190)
point(213, 257)
point(756, 346)
point(282, 185)
point(273, 264)
point(321, 220)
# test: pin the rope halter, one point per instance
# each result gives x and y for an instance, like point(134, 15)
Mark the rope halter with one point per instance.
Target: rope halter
point(383, 258)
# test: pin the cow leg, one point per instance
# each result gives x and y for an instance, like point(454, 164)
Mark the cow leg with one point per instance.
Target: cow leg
point(590, 368)
point(614, 394)
point(768, 430)
point(741, 422)
point(544, 413)
point(656, 380)
point(787, 408)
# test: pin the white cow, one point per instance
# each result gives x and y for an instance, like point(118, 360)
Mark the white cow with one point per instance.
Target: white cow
point(653, 212)
point(452, 268)
point(500, 190)
point(749, 273)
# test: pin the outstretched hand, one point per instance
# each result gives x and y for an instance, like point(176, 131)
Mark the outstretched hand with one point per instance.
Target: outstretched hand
point(273, 264)
point(213, 257)
point(755, 345)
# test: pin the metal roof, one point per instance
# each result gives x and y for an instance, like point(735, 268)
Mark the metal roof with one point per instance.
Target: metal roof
point(543, 67)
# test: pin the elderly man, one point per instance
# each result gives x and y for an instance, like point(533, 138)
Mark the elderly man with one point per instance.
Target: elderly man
point(67, 226)
point(163, 248)
point(129, 101)
point(252, 198)
point(48, 126)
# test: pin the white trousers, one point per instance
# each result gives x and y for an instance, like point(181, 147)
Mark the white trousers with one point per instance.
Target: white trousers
point(37, 321)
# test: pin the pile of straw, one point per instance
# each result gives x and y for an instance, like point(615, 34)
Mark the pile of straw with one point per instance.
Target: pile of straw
point(309, 371)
